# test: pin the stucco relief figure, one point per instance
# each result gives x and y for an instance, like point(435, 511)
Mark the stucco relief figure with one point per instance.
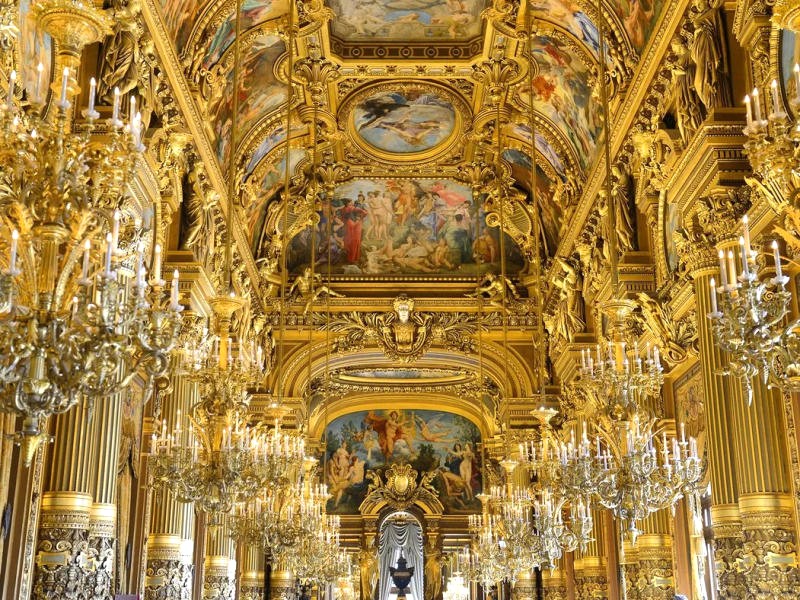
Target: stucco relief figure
point(708, 55)
point(309, 287)
point(403, 333)
point(621, 191)
point(368, 562)
point(687, 102)
point(569, 315)
point(495, 289)
point(433, 573)
point(127, 473)
point(119, 68)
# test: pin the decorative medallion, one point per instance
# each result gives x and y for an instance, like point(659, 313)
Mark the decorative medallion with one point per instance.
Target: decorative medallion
point(404, 121)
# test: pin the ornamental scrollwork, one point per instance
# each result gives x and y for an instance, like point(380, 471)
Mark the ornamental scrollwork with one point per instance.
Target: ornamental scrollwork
point(399, 488)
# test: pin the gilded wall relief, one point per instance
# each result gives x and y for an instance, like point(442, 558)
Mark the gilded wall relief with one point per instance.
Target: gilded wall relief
point(562, 93)
point(272, 177)
point(260, 93)
point(404, 121)
point(179, 18)
point(36, 47)
point(440, 443)
point(407, 21)
point(550, 211)
point(403, 227)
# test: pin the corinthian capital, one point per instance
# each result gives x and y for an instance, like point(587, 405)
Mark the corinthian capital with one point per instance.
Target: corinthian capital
point(719, 214)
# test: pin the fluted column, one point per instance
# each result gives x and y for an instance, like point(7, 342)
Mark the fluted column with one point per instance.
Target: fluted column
point(251, 578)
point(722, 397)
point(525, 587)
point(103, 515)
point(171, 538)
point(591, 572)
point(63, 557)
point(281, 584)
point(219, 581)
point(554, 582)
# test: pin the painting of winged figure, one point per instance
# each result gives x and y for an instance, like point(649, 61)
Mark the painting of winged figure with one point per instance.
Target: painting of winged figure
point(442, 443)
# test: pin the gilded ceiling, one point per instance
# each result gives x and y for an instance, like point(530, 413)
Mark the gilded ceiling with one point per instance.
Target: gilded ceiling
point(404, 94)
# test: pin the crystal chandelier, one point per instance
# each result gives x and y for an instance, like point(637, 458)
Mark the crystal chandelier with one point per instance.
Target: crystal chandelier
point(318, 557)
point(644, 471)
point(623, 374)
point(565, 474)
point(747, 314)
point(487, 560)
point(217, 458)
point(78, 316)
point(281, 513)
point(455, 589)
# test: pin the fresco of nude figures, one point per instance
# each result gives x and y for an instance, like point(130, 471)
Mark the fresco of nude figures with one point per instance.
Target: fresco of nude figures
point(446, 443)
point(403, 226)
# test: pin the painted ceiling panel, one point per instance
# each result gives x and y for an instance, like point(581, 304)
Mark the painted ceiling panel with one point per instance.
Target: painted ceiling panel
point(406, 20)
point(260, 93)
point(179, 17)
point(563, 95)
point(570, 16)
point(639, 18)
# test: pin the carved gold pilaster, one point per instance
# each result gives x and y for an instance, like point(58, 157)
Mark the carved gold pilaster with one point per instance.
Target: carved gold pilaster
point(728, 549)
point(525, 587)
point(769, 558)
point(251, 580)
point(168, 575)
point(591, 578)
point(281, 585)
point(554, 583)
point(219, 568)
point(629, 565)
point(656, 578)
point(63, 557)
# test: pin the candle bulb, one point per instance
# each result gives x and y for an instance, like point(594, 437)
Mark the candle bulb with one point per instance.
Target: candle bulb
point(713, 285)
point(776, 104)
point(157, 262)
point(12, 80)
point(115, 113)
point(731, 269)
point(12, 262)
point(777, 256)
point(109, 252)
point(722, 273)
point(87, 246)
point(64, 86)
point(757, 107)
point(175, 290)
point(749, 111)
point(37, 88)
point(132, 109)
point(657, 357)
point(745, 267)
point(92, 93)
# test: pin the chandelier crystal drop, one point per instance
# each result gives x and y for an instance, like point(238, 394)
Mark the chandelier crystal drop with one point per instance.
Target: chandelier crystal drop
point(79, 318)
point(747, 316)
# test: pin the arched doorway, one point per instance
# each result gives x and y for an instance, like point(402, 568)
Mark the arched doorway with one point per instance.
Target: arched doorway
point(400, 533)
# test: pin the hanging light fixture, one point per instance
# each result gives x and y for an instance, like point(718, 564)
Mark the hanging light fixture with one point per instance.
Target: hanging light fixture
point(633, 472)
point(218, 459)
point(78, 316)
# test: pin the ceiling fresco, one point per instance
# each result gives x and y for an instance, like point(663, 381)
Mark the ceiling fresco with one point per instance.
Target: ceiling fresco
point(403, 91)
point(403, 227)
point(407, 21)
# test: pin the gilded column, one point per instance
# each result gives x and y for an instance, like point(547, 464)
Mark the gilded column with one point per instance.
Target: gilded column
point(219, 567)
point(765, 500)
point(629, 564)
point(63, 558)
point(554, 582)
point(656, 578)
point(281, 584)
point(525, 586)
point(591, 571)
point(251, 579)
point(170, 541)
point(722, 396)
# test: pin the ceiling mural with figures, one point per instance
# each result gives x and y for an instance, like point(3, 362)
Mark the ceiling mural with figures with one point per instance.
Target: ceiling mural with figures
point(404, 91)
